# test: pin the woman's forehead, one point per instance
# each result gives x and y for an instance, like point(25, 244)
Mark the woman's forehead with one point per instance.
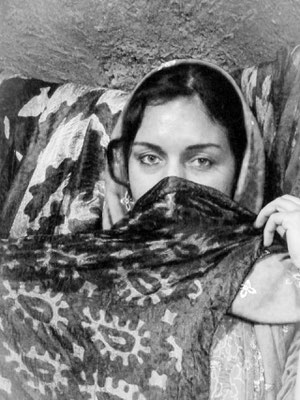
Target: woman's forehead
point(183, 119)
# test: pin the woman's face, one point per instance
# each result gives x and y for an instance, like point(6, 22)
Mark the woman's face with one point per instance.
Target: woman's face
point(179, 139)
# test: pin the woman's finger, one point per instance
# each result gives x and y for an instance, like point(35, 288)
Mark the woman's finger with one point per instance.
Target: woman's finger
point(286, 203)
point(295, 199)
point(287, 224)
point(274, 223)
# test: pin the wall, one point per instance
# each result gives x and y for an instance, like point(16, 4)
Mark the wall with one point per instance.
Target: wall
point(114, 42)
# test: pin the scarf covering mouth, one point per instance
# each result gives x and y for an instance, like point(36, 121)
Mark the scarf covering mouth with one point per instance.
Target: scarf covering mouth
point(128, 313)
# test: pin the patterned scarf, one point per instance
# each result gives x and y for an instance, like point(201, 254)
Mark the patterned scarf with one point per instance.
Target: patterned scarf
point(128, 313)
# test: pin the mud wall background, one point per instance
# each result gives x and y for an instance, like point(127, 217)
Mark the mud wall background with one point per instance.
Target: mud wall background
point(115, 42)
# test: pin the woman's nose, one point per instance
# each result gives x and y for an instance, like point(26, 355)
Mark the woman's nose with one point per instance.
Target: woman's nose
point(175, 168)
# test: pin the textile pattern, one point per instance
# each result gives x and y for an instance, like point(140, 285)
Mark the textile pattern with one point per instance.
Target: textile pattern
point(52, 158)
point(237, 370)
point(129, 313)
point(272, 92)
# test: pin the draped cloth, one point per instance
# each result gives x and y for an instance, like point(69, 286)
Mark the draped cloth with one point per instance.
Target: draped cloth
point(128, 313)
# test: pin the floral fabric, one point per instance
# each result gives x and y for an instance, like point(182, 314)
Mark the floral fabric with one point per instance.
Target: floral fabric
point(128, 313)
point(237, 370)
point(52, 156)
point(272, 92)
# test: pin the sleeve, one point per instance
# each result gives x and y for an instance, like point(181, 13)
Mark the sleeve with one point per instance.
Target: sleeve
point(271, 292)
point(290, 389)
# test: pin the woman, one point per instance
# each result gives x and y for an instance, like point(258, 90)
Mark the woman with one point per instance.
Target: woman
point(142, 310)
point(189, 119)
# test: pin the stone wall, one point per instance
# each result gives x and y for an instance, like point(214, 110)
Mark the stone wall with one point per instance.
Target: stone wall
point(115, 42)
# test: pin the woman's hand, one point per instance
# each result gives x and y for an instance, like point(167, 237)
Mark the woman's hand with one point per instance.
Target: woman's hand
point(283, 216)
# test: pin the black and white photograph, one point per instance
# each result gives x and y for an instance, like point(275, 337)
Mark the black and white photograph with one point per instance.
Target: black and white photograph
point(149, 200)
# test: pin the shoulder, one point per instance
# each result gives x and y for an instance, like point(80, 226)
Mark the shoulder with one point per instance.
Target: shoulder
point(271, 292)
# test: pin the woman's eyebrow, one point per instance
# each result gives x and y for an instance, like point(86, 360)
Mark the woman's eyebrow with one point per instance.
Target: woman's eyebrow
point(193, 147)
point(151, 146)
point(202, 146)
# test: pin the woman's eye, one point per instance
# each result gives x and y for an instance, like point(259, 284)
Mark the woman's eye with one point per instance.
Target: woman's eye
point(201, 162)
point(149, 159)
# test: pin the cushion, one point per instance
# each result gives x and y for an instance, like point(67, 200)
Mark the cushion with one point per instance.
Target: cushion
point(53, 155)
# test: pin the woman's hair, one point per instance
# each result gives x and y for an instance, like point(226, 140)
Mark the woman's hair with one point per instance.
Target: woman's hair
point(219, 97)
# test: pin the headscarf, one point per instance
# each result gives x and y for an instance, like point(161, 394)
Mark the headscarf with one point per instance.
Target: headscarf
point(249, 189)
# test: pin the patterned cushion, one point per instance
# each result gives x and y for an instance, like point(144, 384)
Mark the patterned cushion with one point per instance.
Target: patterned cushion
point(52, 156)
point(272, 91)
